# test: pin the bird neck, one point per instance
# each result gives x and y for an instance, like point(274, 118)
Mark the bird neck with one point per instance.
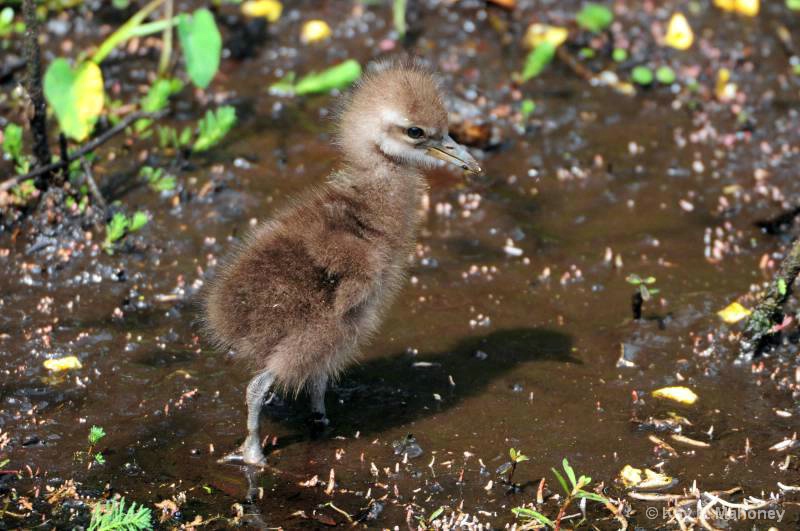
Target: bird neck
point(390, 191)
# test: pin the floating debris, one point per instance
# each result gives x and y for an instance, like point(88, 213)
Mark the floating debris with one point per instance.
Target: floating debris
point(733, 313)
point(62, 364)
point(684, 395)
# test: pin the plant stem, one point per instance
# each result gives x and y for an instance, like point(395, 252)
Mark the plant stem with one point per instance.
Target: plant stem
point(636, 305)
point(124, 32)
point(760, 323)
point(33, 85)
point(166, 46)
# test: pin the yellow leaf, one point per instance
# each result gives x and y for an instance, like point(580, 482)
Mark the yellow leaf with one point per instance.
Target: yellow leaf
point(684, 395)
point(62, 364)
point(679, 33)
point(745, 7)
point(89, 94)
point(539, 33)
point(269, 9)
point(733, 313)
point(315, 30)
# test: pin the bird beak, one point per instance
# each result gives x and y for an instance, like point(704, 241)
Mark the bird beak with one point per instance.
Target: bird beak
point(451, 152)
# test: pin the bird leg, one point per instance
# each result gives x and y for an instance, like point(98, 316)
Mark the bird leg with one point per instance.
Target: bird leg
point(319, 384)
point(250, 452)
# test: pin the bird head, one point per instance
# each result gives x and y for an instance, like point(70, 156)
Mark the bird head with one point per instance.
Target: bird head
point(397, 112)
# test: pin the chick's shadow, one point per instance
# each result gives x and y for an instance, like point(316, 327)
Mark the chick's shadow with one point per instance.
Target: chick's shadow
point(387, 392)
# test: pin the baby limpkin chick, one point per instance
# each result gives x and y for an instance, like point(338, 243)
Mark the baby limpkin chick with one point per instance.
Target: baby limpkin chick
point(306, 289)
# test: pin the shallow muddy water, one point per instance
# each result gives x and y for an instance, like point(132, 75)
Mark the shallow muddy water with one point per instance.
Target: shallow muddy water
point(487, 348)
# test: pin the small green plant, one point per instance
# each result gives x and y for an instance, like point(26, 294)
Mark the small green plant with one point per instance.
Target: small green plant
point(594, 17)
point(214, 126)
point(169, 138)
point(120, 225)
point(156, 99)
point(642, 285)
point(574, 490)
point(644, 292)
point(113, 515)
point(665, 75)
point(96, 434)
point(427, 523)
point(642, 75)
point(510, 467)
point(7, 24)
point(157, 179)
point(12, 147)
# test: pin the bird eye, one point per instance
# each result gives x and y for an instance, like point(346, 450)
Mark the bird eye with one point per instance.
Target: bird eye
point(415, 132)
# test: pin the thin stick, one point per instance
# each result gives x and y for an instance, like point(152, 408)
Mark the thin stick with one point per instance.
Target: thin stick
point(83, 150)
point(93, 188)
point(760, 323)
point(33, 85)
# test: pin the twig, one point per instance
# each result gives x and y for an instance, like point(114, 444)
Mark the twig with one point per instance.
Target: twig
point(760, 323)
point(93, 188)
point(83, 150)
point(33, 85)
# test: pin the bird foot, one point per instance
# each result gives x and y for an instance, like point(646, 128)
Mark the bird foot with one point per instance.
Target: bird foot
point(250, 453)
point(318, 423)
point(319, 420)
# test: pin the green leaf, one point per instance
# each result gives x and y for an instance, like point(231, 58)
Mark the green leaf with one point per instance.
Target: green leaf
point(591, 496)
point(76, 96)
point(570, 472)
point(634, 279)
point(336, 77)
point(96, 433)
point(214, 126)
point(115, 229)
point(560, 479)
point(665, 75)
point(529, 514)
point(436, 514)
point(594, 17)
point(537, 60)
point(642, 75)
point(12, 142)
point(137, 221)
point(794, 5)
point(99, 459)
point(782, 287)
point(159, 93)
point(202, 46)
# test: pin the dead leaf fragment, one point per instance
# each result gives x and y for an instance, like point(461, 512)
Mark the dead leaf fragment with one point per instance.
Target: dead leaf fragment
point(681, 394)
